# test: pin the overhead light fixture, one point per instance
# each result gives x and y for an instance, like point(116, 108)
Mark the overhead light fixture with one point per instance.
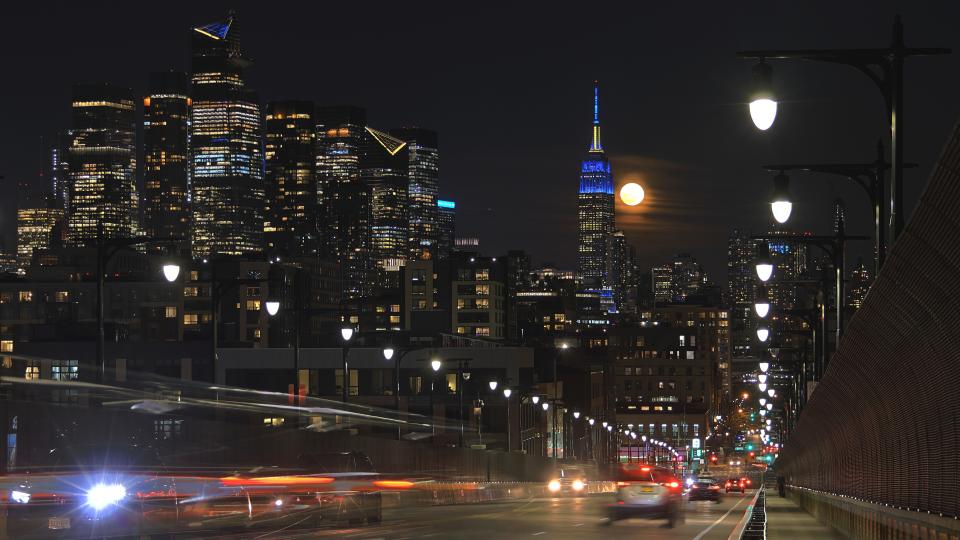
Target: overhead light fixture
point(763, 106)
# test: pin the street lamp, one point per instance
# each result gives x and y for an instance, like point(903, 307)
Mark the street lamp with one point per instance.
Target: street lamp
point(171, 271)
point(507, 392)
point(763, 333)
point(769, 406)
point(535, 399)
point(762, 378)
point(576, 415)
point(762, 304)
point(764, 366)
point(763, 108)
point(545, 405)
point(763, 401)
point(763, 387)
point(764, 265)
point(493, 385)
point(273, 307)
point(388, 353)
point(591, 421)
point(346, 333)
point(604, 424)
point(780, 203)
point(435, 365)
point(771, 392)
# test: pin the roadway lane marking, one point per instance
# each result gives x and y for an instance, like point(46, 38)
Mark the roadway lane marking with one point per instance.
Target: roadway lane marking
point(717, 522)
point(539, 533)
point(578, 524)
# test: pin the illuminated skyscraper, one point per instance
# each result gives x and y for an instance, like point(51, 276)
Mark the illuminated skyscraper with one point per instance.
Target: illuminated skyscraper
point(859, 285)
point(741, 281)
point(166, 120)
point(384, 167)
point(662, 278)
point(290, 150)
point(37, 223)
point(225, 157)
point(102, 160)
point(618, 268)
point(424, 171)
point(344, 200)
point(60, 169)
point(446, 227)
point(595, 209)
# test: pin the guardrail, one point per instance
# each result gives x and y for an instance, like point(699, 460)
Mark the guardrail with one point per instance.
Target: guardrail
point(753, 524)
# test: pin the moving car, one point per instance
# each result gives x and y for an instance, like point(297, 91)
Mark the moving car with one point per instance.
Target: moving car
point(571, 481)
point(105, 492)
point(704, 489)
point(736, 484)
point(648, 492)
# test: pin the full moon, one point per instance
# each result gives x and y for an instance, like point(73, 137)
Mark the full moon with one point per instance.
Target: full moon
point(631, 194)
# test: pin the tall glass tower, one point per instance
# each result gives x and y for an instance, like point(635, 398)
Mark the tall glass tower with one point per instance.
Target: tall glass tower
point(424, 172)
point(227, 187)
point(166, 119)
point(343, 199)
point(595, 214)
point(291, 218)
point(103, 157)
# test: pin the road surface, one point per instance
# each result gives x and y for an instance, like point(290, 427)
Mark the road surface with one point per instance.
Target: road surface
point(568, 517)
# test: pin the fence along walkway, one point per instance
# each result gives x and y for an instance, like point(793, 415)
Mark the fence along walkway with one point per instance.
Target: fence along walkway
point(883, 425)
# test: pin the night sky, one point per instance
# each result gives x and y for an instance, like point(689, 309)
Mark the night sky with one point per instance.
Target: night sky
point(509, 89)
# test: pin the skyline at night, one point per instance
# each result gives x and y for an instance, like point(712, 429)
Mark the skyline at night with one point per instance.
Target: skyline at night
point(679, 128)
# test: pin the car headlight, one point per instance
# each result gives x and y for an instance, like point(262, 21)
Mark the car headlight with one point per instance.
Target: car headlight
point(578, 485)
point(101, 496)
point(19, 497)
point(554, 485)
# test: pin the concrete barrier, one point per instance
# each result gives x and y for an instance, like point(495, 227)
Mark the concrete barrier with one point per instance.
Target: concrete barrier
point(858, 519)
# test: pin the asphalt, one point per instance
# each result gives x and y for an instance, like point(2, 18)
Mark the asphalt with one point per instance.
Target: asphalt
point(571, 517)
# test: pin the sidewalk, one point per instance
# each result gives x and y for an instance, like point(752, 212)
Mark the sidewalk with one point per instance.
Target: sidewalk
point(786, 520)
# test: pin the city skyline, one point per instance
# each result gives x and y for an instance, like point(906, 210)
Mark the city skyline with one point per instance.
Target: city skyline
point(690, 179)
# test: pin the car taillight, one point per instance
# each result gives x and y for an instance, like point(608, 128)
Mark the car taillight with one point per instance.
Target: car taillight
point(621, 484)
point(674, 484)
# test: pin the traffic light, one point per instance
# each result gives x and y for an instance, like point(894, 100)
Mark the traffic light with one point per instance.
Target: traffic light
point(750, 447)
point(713, 458)
point(753, 454)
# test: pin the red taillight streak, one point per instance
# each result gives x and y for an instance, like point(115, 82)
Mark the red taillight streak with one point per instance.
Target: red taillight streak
point(393, 484)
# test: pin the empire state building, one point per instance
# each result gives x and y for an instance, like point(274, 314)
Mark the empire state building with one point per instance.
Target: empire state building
point(595, 206)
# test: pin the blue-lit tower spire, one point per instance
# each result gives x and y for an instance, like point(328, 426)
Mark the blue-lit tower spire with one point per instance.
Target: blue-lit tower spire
point(595, 208)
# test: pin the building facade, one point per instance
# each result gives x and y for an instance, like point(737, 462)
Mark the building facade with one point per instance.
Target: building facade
point(446, 227)
point(291, 227)
point(103, 188)
point(226, 160)
point(384, 168)
point(424, 184)
point(166, 171)
point(595, 206)
point(343, 199)
point(37, 225)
